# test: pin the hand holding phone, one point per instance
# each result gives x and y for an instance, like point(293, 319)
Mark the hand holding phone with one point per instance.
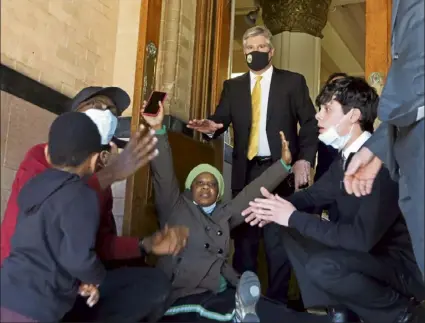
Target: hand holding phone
point(152, 106)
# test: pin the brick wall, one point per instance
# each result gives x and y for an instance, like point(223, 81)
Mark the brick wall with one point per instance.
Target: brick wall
point(64, 44)
point(23, 125)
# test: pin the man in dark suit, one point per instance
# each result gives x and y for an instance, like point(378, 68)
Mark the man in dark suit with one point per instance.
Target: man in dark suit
point(364, 261)
point(325, 157)
point(399, 140)
point(259, 104)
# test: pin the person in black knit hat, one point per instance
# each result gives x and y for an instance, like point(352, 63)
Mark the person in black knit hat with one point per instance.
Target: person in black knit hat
point(53, 248)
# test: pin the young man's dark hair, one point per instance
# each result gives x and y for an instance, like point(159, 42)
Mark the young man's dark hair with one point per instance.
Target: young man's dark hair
point(335, 76)
point(53, 245)
point(352, 92)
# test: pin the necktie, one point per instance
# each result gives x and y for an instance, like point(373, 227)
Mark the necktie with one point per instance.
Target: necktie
point(256, 115)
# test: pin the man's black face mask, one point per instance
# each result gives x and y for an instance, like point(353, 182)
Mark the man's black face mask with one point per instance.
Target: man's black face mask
point(257, 61)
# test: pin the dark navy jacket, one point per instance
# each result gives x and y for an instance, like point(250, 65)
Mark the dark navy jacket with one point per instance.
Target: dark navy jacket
point(52, 248)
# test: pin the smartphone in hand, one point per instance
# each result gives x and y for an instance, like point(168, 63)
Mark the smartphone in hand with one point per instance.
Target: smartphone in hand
point(152, 106)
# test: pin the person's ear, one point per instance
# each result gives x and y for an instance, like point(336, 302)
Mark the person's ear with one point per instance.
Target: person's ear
point(271, 53)
point(93, 162)
point(104, 157)
point(356, 115)
point(47, 155)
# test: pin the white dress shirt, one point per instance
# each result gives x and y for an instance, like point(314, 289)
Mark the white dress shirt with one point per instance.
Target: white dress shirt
point(355, 145)
point(263, 145)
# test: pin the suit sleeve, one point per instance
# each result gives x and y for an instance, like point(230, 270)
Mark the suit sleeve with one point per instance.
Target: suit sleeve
point(321, 193)
point(308, 125)
point(269, 179)
point(375, 215)
point(165, 184)
point(222, 113)
point(79, 224)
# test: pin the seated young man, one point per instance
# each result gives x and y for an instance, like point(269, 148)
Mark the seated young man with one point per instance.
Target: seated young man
point(363, 263)
point(127, 293)
point(53, 244)
point(203, 282)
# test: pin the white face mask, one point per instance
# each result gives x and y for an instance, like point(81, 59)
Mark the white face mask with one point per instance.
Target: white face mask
point(331, 137)
point(105, 121)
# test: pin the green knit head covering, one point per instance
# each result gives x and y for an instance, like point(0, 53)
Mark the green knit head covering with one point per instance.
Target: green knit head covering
point(206, 168)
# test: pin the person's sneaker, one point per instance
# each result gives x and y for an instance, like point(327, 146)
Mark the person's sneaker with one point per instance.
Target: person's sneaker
point(247, 295)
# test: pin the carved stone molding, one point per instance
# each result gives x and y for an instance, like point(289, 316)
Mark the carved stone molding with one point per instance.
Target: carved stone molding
point(305, 16)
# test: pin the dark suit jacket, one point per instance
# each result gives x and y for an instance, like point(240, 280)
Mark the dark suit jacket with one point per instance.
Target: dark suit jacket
point(404, 90)
point(289, 104)
point(372, 223)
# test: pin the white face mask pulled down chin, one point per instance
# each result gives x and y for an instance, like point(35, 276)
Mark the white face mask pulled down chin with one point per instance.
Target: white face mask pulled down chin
point(105, 121)
point(331, 137)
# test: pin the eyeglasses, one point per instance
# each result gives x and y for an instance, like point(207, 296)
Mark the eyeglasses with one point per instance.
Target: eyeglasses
point(101, 105)
point(208, 184)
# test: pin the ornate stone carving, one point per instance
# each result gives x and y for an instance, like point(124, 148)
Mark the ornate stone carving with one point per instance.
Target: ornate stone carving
point(305, 16)
point(376, 80)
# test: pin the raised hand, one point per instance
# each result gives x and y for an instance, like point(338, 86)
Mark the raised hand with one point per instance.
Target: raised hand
point(286, 153)
point(155, 122)
point(205, 126)
point(139, 151)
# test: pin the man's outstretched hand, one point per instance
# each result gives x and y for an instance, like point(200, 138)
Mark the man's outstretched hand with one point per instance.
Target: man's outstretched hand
point(361, 172)
point(205, 126)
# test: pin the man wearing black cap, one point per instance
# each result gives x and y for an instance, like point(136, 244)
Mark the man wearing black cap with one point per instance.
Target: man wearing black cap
point(133, 294)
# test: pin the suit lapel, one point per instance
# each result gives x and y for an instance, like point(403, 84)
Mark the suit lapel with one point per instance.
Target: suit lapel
point(273, 94)
point(245, 99)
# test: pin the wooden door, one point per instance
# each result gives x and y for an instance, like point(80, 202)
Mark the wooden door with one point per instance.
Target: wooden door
point(138, 189)
point(211, 53)
point(378, 41)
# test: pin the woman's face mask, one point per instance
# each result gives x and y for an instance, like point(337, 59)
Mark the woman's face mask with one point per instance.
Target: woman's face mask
point(105, 121)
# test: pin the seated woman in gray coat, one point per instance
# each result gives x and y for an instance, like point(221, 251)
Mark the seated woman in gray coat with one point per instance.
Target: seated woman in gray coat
point(204, 283)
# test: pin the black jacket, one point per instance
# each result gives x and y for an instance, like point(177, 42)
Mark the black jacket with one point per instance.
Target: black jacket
point(372, 223)
point(289, 105)
point(52, 248)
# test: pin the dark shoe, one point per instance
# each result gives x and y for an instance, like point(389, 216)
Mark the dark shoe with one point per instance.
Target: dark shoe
point(343, 315)
point(248, 293)
point(414, 313)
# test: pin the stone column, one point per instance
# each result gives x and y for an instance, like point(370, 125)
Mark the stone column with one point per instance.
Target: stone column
point(297, 27)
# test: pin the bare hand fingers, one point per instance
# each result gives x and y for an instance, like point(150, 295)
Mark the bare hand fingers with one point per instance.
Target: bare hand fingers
point(266, 193)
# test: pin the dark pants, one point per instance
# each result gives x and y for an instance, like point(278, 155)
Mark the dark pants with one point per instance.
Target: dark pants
point(373, 287)
point(126, 295)
point(223, 304)
point(247, 242)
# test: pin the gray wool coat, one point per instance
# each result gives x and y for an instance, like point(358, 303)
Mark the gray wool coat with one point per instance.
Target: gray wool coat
point(198, 267)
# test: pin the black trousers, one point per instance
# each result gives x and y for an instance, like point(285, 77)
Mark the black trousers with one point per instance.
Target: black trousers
point(373, 287)
point(224, 303)
point(247, 242)
point(126, 295)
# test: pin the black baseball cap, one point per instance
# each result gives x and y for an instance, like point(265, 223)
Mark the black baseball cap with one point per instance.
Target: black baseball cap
point(120, 98)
